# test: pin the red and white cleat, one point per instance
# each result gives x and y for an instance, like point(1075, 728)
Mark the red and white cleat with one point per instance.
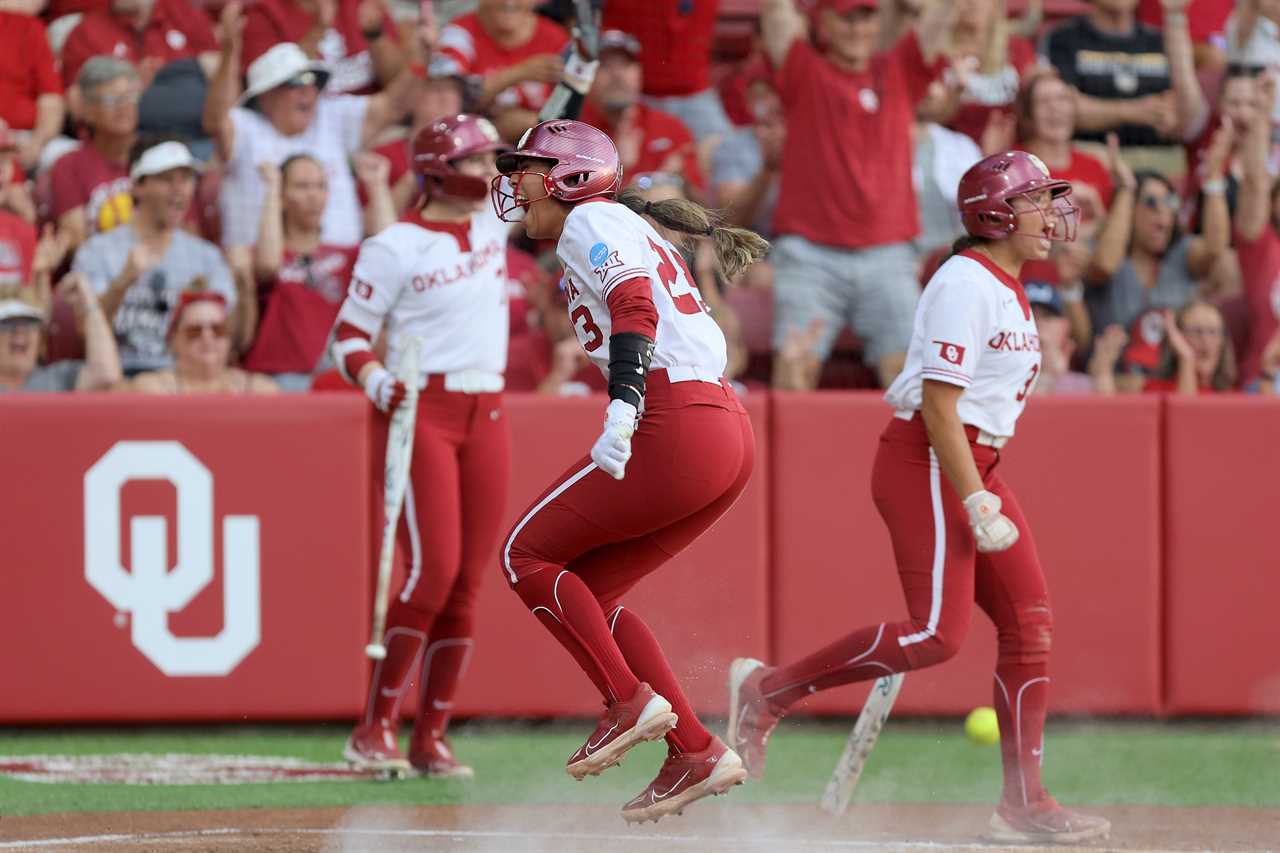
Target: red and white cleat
point(373, 747)
point(751, 716)
point(645, 716)
point(686, 778)
point(1044, 821)
point(433, 757)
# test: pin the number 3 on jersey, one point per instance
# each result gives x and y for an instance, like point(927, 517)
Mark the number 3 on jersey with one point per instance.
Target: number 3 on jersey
point(688, 301)
point(595, 337)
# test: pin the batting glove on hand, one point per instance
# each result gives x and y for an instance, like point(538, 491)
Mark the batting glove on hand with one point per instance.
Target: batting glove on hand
point(613, 448)
point(386, 392)
point(991, 528)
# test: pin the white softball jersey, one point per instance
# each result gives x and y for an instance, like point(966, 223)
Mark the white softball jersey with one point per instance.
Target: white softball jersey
point(446, 285)
point(973, 328)
point(604, 244)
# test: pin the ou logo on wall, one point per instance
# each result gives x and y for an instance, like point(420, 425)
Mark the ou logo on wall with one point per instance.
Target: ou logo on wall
point(150, 592)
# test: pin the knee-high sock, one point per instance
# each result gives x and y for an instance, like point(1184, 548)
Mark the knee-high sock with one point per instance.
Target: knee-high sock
point(407, 629)
point(443, 663)
point(1021, 700)
point(645, 657)
point(863, 655)
point(562, 603)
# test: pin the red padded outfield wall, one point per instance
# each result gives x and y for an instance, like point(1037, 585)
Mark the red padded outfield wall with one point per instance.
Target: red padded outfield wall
point(1223, 567)
point(117, 514)
point(834, 570)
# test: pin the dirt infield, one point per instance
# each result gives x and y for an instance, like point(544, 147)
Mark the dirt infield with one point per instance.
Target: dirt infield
point(710, 829)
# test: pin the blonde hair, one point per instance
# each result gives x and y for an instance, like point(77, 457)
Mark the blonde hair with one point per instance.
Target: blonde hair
point(736, 248)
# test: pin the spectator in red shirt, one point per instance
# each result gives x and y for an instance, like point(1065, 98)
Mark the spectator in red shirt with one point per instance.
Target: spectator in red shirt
point(648, 140)
point(357, 40)
point(30, 91)
point(1257, 241)
point(90, 186)
point(1045, 112)
point(148, 33)
point(676, 38)
point(301, 280)
point(510, 57)
point(987, 65)
point(172, 45)
point(15, 197)
point(846, 209)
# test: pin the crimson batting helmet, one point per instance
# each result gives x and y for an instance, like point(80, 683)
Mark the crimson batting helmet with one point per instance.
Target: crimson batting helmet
point(989, 185)
point(582, 163)
point(435, 147)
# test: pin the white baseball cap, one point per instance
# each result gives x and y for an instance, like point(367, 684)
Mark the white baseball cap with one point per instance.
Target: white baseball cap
point(14, 308)
point(162, 158)
point(278, 66)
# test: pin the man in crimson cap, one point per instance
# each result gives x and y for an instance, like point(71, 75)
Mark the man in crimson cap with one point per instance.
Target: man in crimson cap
point(846, 210)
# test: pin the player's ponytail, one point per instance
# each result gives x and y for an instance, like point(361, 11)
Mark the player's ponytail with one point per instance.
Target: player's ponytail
point(736, 248)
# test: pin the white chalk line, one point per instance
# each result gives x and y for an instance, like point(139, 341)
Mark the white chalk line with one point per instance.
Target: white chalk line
point(503, 835)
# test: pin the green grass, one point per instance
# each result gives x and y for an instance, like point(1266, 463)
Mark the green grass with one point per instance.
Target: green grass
point(1095, 763)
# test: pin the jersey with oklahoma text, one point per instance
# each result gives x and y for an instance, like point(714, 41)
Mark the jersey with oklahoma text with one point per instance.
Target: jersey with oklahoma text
point(604, 244)
point(443, 283)
point(973, 328)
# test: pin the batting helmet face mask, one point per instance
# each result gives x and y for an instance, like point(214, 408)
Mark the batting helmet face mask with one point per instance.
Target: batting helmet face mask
point(989, 187)
point(577, 162)
point(435, 147)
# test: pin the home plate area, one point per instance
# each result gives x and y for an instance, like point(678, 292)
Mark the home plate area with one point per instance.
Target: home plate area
point(579, 829)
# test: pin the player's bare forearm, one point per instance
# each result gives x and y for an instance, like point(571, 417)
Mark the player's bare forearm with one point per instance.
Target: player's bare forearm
point(946, 436)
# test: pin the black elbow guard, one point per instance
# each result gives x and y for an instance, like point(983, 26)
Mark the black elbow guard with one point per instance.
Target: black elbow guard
point(629, 355)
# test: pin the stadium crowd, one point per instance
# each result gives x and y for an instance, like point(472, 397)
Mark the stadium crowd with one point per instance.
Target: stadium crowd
point(184, 184)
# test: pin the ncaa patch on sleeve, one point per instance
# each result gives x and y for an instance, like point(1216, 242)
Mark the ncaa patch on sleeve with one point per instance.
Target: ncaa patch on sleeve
point(599, 254)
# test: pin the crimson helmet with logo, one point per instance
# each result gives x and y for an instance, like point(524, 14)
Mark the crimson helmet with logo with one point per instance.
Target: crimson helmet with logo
point(581, 162)
point(985, 191)
point(435, 147)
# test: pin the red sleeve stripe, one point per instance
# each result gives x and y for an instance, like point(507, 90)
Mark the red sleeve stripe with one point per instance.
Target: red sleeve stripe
point(628, 274)
point(351, 351)
point(631, 308)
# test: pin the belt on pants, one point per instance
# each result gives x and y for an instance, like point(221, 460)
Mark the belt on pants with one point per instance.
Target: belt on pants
point(975, 434)
point(685, 373)
point(466, 381)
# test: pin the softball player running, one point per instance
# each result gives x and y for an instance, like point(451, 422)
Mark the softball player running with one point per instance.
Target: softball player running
point(676, 451)
point(439, 275)
point(958, 533)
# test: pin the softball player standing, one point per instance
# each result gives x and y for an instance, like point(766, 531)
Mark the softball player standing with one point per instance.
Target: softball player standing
point(439, 275)
point(958, 533)
point(676, 451)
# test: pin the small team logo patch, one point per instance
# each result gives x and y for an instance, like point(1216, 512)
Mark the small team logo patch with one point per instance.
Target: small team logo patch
point(953, 353)
point(603, 259)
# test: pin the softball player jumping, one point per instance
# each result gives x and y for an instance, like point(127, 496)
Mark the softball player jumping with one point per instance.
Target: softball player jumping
point(676, 451)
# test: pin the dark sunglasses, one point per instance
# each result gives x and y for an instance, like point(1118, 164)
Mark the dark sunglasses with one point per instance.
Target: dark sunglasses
point(195, 331)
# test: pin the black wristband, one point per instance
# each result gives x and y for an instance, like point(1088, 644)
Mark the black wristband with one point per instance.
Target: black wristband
point(629, 355)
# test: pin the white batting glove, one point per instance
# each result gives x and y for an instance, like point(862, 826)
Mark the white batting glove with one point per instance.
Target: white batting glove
point(613, 448)
point(991, 528)
point(386, 392)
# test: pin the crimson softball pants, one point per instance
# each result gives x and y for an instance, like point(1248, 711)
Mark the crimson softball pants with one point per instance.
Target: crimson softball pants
point(588, 539)
point(942, 575)
point(458, 482)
